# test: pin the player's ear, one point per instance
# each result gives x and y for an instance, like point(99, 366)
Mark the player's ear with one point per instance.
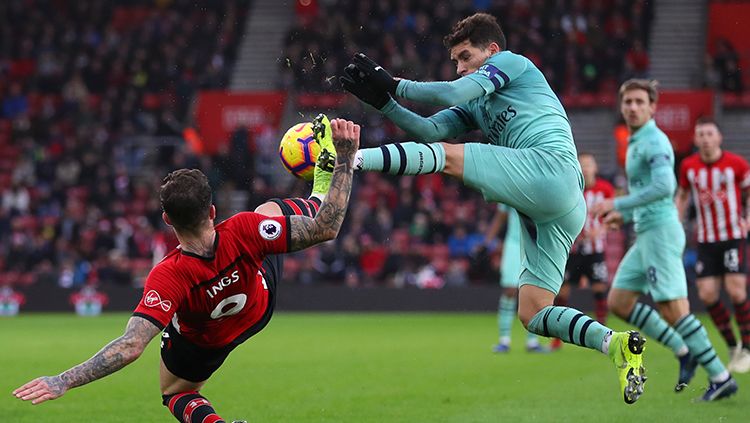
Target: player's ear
point(494, 48)
point(165, 218)
point(212, 212)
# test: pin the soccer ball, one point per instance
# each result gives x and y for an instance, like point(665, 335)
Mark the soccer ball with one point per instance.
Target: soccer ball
point(299, 150)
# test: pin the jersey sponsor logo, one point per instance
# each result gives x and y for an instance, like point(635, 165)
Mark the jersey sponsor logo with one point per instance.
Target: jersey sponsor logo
point(153, 299)
point(501, 120)
point(269, 229)
point(223, 282)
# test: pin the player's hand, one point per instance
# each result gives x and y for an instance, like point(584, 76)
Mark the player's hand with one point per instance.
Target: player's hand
point(345, 137)
point(602, 207)
point(41, 389)
point(375, 74)
point(354, 82)
point(613, 220)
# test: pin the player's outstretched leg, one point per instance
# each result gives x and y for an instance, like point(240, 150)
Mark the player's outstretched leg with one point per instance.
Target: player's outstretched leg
point(655, 327)
point(721, 383)
point(408, 158)
point(191, 407)
point(624, 348)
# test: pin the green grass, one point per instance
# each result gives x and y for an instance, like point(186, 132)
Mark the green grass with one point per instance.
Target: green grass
point(357, 368)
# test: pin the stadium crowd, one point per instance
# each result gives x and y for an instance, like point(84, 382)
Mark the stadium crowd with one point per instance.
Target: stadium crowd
point(76, 80)
point(582, 46)
point(78, 207)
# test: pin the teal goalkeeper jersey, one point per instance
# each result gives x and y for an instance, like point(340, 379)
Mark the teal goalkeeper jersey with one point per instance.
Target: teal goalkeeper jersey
point(651, 179)
point(507, 98)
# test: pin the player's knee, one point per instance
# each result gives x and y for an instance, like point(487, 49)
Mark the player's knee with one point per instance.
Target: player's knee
point(708, 295)
point(737, 294)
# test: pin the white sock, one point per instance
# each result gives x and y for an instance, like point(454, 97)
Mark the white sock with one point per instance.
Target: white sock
point(605, 342)
point(721, 377)
point(684, 350)
point(505, 340)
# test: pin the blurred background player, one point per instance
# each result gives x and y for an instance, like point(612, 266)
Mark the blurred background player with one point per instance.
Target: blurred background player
point(237, 270)
point(530, 164)
point(510, 270)
point(717, 179)
point(587, 265)
point(653, 265)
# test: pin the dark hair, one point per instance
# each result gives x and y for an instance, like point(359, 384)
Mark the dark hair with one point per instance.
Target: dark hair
point(186, 198)
point(707, 120)
point(480, 29)
point(651, 86)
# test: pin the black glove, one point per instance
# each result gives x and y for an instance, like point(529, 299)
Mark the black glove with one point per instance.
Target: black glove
point(375, 74)
point(353, 81)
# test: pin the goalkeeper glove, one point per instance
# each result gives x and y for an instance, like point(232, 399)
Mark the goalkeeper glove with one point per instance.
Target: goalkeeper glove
point(375, 74)
point(353, 81)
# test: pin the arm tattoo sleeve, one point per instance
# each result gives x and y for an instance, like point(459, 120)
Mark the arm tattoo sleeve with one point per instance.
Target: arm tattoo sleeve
point(114, 356)
point(305, 231)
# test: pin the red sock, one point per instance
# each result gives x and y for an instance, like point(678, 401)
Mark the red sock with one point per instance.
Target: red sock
point(600, 307)
point(720, 315)
point(191, 407)
point(742, 314)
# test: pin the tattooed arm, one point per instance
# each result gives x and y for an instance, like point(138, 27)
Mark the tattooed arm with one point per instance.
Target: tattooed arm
point(113, 357)
point(326, 224)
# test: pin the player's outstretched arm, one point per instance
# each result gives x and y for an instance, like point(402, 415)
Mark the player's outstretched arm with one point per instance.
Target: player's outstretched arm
point(365, 72)
point(113, 357)
point(447, 123)
point(326, 224)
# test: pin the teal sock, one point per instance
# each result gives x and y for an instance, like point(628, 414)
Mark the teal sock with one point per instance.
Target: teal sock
point(570, 325)
point(409, 158)
point(696, 338)
point(650, 322)
point(506, 313)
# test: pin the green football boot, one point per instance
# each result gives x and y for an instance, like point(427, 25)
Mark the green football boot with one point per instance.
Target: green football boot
point(327, 157)
point(626, 351)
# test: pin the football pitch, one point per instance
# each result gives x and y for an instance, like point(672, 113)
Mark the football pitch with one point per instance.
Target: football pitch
point(357, 367)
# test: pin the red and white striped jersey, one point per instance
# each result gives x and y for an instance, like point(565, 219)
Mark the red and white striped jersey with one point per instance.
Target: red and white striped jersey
point(586, 244)
point(716, 189)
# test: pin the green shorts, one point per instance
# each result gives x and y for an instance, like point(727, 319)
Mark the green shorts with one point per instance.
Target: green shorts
point(653, 265)
point(547, 191)
point(510, 267)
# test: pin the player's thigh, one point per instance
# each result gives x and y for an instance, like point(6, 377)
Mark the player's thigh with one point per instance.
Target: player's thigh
point(661, 254)
point(169, 383)
point(537, 183)
point(545, 247)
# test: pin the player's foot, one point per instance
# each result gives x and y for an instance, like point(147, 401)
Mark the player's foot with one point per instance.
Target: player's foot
point(734, 354)
point(740, 361)
point(717, 391)
point(555, 344)
point(501, 348)
point(326, 158)
point(626, 351)
point(537, 348)
point(688, 364)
